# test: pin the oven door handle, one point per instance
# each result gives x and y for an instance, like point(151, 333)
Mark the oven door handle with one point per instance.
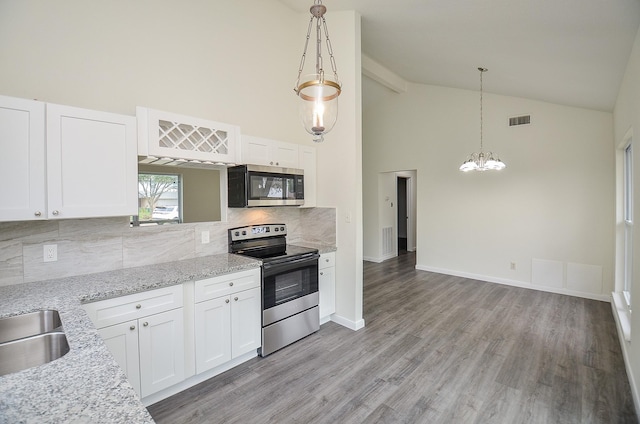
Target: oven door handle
point(278, 267)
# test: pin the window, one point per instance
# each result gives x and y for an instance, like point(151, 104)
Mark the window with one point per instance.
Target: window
point(628, 223)
point(159, 199)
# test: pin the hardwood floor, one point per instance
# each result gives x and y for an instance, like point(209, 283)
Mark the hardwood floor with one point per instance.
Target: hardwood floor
point(435, 349)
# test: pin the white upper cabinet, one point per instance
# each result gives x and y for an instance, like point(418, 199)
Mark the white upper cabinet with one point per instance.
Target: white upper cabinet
point(22, 161)
point(65, 162)
point(92, 166)
point(165, 137)
point(263, 151)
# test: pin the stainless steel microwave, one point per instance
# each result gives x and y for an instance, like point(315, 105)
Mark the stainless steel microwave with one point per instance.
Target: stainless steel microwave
point(256, 185)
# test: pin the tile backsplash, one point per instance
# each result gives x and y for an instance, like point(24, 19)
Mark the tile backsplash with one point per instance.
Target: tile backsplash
point(103, 244)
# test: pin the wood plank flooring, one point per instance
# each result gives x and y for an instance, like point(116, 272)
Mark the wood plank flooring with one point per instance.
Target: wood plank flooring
point(435, 349)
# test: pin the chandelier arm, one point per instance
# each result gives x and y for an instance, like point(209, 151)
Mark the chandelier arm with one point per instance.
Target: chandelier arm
point(304, 54)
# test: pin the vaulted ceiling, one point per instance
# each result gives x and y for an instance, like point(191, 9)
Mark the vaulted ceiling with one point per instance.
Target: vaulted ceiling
point(571, 52)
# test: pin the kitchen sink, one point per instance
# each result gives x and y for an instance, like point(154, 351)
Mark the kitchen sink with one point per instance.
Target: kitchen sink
point(30, 340)
point(25, 325)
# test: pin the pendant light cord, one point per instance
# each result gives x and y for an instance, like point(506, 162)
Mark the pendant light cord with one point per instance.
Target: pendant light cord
point(482, 70)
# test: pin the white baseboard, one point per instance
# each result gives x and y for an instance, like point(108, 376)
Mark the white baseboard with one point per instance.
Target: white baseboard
point(625, 346)
point(352, 325)
point(197, 379)
point(516, 283)
point(379, 259)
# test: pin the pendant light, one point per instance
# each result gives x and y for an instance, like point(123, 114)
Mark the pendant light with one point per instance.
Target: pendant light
point(318, 93)
point(482, 161)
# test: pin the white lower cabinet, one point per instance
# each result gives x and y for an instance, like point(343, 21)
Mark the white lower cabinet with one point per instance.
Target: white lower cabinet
point(149, 348)
point(156, 335)
point(229, 324)
point(327, 285)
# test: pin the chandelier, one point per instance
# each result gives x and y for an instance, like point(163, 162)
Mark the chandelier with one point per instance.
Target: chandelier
point(318, 93)
point(482, 161)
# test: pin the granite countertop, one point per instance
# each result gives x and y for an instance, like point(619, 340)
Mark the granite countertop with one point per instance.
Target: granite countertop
point(322, 248)
point(87, 385)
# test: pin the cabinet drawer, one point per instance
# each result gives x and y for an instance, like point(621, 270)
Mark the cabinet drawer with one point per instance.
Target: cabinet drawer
point(223, 285)
point(134, 306)
point(327, 260)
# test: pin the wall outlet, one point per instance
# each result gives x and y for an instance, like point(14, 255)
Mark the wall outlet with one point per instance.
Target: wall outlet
point(513, 266)
point(50, 253)
point(205, 237)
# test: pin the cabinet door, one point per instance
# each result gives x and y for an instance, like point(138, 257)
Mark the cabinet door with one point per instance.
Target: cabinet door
point(122, 342)
point(91, 163)
point(22, 161)
point(246, 322)
point(255, 150)
point(161, 339)
point(213, 333)
point(307, 161)
point(284, 154)
point(327, 285)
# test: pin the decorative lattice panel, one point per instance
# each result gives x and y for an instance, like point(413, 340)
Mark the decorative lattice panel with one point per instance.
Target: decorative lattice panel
point(192, 138)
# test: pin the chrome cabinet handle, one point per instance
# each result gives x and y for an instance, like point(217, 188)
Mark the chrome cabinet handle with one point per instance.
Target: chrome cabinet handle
point(133, 327)
point(38, 213)
point(226, 301)
point(235, 298)
point(55, 213)
point(231, 284)
point(138, 306)
point(146, 324)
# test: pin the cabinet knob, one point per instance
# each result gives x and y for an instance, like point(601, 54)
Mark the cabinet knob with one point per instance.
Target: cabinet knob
point(55, 213)
point(226, 301)
point(146, 324)
point(38, 213)
point(231, 284)
point(235, 298)
point(277, 163)
point(271, 163)
point(138, 306)
point(133, 327)
point(322, 273)
point(326, 260)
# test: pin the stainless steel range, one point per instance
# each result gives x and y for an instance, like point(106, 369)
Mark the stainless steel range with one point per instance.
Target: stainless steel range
point(289, 283)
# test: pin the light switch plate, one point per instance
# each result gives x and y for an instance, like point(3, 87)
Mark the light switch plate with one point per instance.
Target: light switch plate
point(205, 237)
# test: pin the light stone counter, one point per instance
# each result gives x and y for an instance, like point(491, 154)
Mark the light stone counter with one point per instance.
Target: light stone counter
point(87, 385)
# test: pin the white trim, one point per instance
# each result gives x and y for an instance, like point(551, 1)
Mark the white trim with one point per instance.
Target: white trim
point(197, 379)
point(352, 325)
point(625, 346)
point(515, 283)
point(380, 259)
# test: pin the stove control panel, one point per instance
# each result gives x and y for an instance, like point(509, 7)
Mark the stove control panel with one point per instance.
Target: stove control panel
point(251, 232)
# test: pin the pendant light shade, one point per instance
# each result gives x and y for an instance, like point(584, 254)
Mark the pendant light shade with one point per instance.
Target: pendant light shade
point(482, 161)
point(318, 94)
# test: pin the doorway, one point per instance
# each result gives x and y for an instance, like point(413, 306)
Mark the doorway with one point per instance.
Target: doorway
point(403, 213)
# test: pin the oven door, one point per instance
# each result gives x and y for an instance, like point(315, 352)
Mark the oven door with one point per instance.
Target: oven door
point(289, 287)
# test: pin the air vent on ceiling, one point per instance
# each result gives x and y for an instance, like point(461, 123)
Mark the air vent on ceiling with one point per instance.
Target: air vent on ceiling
point(519, 120)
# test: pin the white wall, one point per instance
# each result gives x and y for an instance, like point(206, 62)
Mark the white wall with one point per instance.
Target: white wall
point(555, 200)
point(340, 169)
point(231, 61)
point(627, 119)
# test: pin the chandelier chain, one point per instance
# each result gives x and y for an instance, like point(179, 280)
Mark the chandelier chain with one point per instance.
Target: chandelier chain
point(481, 72)
point(304, 54)
point(334, 68)
point(319, 64)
